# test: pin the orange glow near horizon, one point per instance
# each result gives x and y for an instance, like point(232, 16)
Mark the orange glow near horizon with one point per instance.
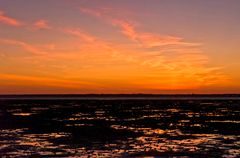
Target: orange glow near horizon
point(115, 48)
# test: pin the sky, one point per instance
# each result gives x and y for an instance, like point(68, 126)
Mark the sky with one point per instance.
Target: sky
point(120, 46)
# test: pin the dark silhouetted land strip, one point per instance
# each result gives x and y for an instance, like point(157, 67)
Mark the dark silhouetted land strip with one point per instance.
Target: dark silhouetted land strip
point(123, 97)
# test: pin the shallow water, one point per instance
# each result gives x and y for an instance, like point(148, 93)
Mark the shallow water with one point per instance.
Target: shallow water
point(120, 128)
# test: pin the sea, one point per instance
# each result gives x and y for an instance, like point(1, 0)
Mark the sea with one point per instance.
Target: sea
point(120, 126)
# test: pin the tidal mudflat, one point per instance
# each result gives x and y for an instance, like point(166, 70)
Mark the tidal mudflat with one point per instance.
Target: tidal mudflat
point(120, 128)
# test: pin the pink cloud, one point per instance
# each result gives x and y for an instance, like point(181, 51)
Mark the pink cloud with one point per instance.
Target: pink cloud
point(148, 39)
point(9, 20)
point(41, 24)
point(28, 47)
point(129, 30)
point(81, 34)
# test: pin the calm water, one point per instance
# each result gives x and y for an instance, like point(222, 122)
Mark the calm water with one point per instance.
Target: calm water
point(120, 128)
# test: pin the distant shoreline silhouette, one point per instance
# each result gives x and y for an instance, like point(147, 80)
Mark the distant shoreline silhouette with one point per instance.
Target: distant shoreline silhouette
point(121, 97)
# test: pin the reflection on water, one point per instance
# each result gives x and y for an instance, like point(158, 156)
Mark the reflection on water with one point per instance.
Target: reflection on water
point(103, 128)
point(22, 114)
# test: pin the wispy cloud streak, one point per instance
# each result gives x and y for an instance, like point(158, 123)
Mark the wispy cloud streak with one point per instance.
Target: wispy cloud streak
point(9, 20)
point(149, 39)
point(41, 24)
point(128, 29)
point(26, 46)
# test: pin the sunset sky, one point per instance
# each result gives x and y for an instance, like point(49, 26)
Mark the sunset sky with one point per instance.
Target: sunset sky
point(119, 46)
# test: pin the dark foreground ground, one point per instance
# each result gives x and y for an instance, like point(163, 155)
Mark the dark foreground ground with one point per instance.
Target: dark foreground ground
point(120, 128)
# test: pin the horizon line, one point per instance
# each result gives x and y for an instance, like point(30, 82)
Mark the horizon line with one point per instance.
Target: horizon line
point(20, 94)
